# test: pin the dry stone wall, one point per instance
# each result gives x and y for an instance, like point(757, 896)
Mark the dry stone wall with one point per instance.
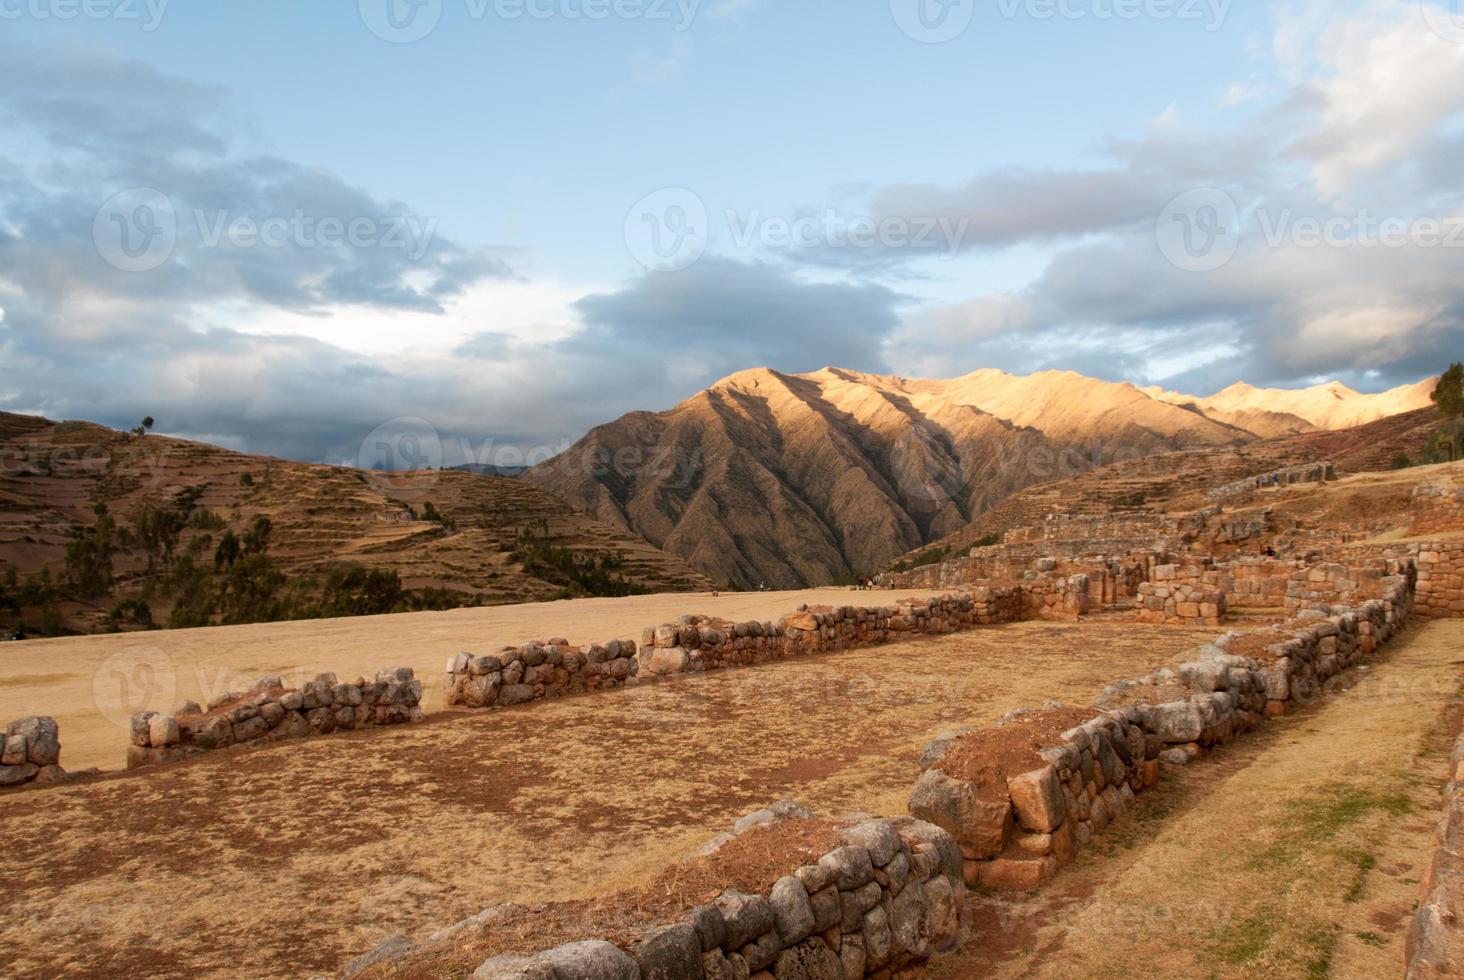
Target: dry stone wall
point(695, 644)
point(1435, 947)
point(1018, 833)
point(1437, 508)
point(886, 900)
point(30, 752)
point(269, 712)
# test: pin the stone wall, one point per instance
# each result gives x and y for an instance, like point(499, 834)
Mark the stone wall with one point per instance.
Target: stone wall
point(269, 712)
point(1188, 595)
point(1437, 508)
point(886, 900)
point(1441, 580)
point(1018, 834)
point(30, 752)
point(1435, 947)
point(694, 644)
point(1324, 584)
point(1306, 473)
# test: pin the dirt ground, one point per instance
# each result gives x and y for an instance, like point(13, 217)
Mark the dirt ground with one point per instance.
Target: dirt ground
point(92, 685)
point(296, 857)
point(1296, 852)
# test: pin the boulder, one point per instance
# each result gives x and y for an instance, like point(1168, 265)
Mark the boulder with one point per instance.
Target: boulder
point(747, 917)
point(669, 953)
point(1038, 800)
point(792, 911)
point(978, 823)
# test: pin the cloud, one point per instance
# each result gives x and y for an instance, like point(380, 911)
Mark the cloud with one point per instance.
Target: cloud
point(1360, 136)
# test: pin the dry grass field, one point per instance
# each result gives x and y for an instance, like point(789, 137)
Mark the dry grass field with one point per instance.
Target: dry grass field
point(92, 685)
point(1294, 853)
point(293, 858)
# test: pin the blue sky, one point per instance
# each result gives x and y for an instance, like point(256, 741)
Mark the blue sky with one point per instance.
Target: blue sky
point(526, 161)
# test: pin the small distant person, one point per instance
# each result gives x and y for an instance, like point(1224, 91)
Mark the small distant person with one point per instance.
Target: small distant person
point(1270, 552)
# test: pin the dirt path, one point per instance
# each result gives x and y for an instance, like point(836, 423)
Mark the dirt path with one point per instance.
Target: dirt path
point(297, 857)
point(92, 685)
point(1296, 852)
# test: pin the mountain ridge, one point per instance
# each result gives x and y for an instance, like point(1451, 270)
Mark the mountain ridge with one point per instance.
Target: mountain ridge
point(789, 480)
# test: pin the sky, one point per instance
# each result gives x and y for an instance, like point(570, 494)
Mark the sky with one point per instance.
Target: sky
point(290, 228)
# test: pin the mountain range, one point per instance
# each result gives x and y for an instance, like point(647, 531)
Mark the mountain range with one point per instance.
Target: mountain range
point(792, 480)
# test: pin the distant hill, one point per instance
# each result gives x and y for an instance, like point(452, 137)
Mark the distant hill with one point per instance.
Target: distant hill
point(450, 537)
point(807, 479)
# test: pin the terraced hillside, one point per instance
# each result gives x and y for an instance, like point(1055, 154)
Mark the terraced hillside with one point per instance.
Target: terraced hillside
point(1181, 482)
point(475, 538)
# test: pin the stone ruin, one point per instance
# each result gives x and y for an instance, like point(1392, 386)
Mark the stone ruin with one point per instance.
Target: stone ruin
point(30, 752)
point(882, 902)
point(269, 712)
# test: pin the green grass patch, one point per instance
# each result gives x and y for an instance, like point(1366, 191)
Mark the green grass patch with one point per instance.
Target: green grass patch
point(1372, 939)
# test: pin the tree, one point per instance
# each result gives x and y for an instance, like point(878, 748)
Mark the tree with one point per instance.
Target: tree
point(144, 427)
point(1449, 397)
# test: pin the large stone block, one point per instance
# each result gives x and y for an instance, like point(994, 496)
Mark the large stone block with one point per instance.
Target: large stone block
point(979, 823)
point(1038, 800)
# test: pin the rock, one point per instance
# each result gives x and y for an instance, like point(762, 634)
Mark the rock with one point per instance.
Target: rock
point(514, 968)
point(50, 775)
point(809, 960)
point(513, 694)
point(593, 959)
point(1037, 799)
point(717, 966)
point(1178, 721)
point(17, 774)
point(851, 867)
point(756, 818)
point(875, 836)
point(805, 621)
point(792, 912)
point(908, 914)
point(978, 824)
point(163, 731)
point(746, 916)
point(388, 949)
point(878, 940)
point(825, 905)
point(762, 951)
point(186, 708)
point(710, 927)
point(1012, 874)
point(852, 956)
point(815, 877)
point(853, 905)
point(669, 953)
point(946, 848)
point(715, 844)
point(42, 740)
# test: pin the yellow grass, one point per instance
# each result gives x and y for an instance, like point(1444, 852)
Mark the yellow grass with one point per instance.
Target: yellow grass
point(92, 685)
point(1295, 853)
point(294, 858)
